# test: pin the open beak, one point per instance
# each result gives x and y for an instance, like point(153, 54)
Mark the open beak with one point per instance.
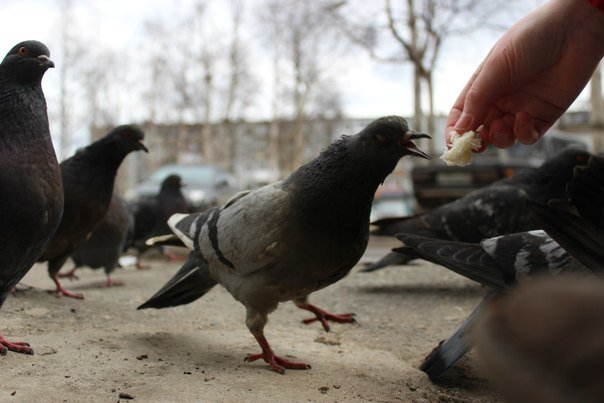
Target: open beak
point(45, 61)
point(411, 147)
point(141, 146)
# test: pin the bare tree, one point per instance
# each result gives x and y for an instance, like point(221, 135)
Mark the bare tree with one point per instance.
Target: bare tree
point(64, 73)
point(414, 31)
point(307, 41)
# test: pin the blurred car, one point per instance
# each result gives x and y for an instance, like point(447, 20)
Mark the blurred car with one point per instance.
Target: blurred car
point(436, 184)
point(204, 185)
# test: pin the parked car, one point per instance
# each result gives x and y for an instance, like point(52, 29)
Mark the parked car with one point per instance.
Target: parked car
point(204, 185)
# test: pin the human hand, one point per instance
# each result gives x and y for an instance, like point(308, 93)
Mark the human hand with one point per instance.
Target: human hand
point(532, 75)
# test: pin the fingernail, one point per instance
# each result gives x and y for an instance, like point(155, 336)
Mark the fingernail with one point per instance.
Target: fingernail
point(464, 122)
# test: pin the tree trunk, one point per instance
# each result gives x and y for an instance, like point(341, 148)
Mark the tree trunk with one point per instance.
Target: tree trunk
point(418, 115)
point(431, 123)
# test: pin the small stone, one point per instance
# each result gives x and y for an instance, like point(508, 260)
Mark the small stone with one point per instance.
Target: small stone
point(126, 396)
point(323, 389)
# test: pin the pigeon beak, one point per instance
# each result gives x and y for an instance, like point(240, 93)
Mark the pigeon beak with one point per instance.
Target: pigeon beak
point(141, 146)
point(45, 61)
point(411, 147)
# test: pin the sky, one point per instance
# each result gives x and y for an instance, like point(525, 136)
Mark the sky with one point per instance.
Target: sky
point(369, 88)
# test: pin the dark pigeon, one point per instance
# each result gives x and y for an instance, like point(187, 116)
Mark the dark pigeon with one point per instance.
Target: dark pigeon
point(31, 195)
point(106, 243)
point(286, 240)
point(499, 263)
point(488, 212)
point(88, 179)
point(578, 223)
point(151, 215)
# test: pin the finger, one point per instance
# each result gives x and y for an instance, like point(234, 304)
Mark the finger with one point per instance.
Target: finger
point(458, 106)
point(524, 129)
point(491, 81)
point(484, 139)
point(501, 133)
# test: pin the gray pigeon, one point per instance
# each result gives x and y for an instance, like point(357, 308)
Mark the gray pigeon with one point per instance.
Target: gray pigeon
point(499, 263)
point(31, 191)
point(106, 243)
point(286, 240)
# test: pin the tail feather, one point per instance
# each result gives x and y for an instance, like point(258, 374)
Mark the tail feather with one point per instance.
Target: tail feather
point(388, 226)
point(455, 347)
point(467, 259)
point(165, 240)
point(392, 258)
point(191, 282)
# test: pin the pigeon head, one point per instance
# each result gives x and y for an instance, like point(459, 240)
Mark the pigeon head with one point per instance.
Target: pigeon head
point(550, 179)
point(127, 138)
point(27, 62)
point(390, 136)
point(172, 182)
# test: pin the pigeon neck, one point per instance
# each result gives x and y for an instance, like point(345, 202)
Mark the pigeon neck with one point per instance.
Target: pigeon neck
point(338, 186)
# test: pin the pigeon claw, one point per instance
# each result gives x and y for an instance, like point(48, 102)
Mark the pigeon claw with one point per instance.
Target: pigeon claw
point(324, 316)
point(62, 291)
point(276, 363)
point(16, 346)
point(69, 275)
point(112, 283)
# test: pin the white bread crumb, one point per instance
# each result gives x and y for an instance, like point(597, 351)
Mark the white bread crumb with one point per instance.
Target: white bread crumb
point(460, 153)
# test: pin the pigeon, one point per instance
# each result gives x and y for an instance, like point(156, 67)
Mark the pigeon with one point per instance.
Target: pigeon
point(543, 342)
point(151, 216)
point(88, 179)
point(578, 223)
point(494, 210)
point(106, 243)
point(31, 195)
point(285, 240)
point(498, 263)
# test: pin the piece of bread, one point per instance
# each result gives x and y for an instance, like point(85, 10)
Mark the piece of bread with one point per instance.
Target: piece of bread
point(460, 153)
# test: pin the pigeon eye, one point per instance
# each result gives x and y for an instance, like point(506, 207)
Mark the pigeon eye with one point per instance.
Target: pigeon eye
point(23, 51)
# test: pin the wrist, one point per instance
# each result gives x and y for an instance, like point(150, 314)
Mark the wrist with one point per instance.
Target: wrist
point(588, 21)
point(599, 4)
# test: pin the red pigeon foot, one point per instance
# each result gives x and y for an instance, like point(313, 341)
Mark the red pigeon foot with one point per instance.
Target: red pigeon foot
point(70, 275)
point(277, 363)
point(62, 291)
point(324, 316)
point(16, 346)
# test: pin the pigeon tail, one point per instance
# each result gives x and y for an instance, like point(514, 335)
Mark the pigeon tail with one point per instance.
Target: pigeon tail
point(393, 258)
point(455, 347)
point(165, 240)
point(184, 237)
point(191, 282)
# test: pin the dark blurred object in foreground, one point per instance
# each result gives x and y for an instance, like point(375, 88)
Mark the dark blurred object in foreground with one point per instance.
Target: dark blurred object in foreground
point(545, 342)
